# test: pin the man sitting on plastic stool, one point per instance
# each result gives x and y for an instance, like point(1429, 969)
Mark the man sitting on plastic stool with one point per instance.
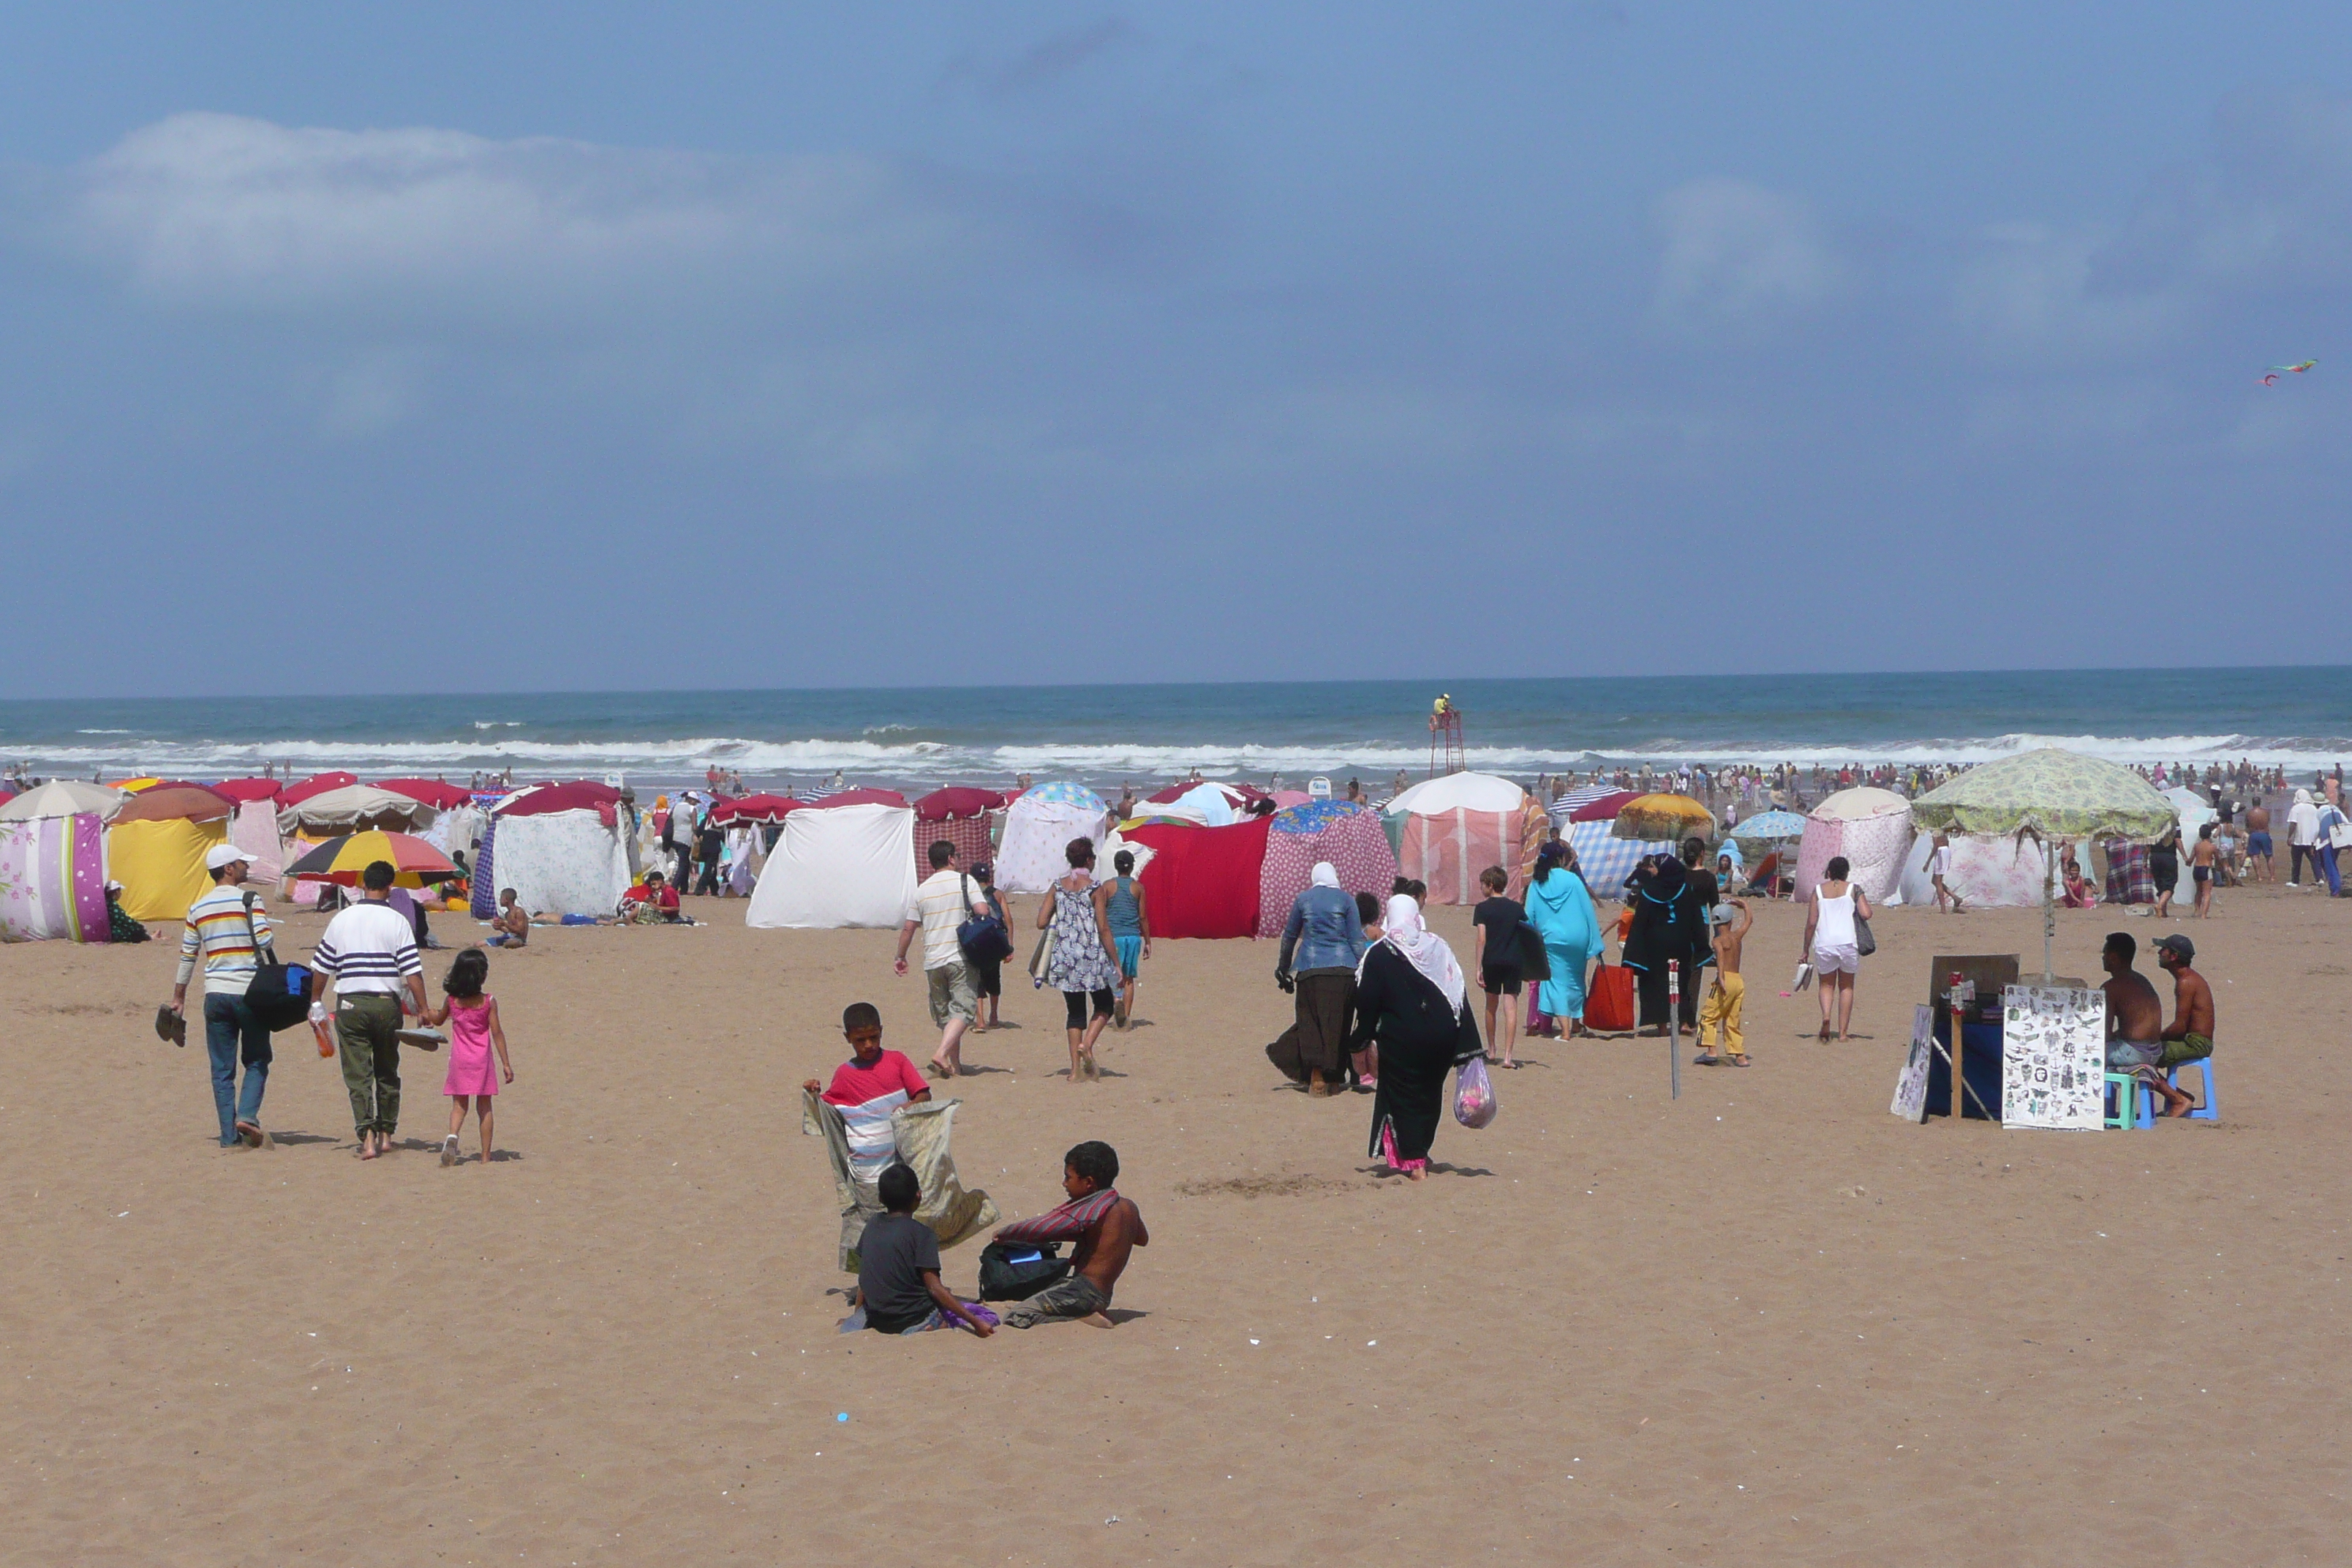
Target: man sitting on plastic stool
point(2135, 1012)
point(2189, 1037)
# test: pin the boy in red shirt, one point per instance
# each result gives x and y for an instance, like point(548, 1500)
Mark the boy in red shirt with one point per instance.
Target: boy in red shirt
point(867, 1088)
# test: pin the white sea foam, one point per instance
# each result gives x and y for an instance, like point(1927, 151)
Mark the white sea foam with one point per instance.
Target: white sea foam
point(926, 761)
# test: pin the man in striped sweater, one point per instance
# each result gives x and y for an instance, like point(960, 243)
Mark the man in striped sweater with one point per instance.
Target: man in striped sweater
point(368, 956)
point(225, 930)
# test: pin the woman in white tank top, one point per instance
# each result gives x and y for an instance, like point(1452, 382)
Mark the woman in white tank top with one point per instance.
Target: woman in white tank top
point(1830, 942)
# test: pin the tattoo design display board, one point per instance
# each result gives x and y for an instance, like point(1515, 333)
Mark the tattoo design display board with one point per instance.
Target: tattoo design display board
point(2053, 1056)
point(1911, 1083)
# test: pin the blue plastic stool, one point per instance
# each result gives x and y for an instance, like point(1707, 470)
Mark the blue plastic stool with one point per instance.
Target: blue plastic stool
point(2208, 1107)
point(2126, 1104)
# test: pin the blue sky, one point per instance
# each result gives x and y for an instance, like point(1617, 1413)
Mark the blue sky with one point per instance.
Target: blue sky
point(732, 344)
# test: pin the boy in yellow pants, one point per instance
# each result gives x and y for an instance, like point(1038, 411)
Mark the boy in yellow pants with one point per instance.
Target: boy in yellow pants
point(1720, 1008)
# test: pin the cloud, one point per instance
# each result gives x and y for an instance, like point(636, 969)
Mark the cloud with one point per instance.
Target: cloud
point(217, 210)
point(1738, 260)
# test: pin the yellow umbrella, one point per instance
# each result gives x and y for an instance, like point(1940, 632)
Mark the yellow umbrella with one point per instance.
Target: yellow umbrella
point(1664, 816)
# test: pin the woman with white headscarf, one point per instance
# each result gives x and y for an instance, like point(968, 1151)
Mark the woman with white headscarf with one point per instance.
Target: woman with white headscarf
point(1410, 996)
point(1324, 937)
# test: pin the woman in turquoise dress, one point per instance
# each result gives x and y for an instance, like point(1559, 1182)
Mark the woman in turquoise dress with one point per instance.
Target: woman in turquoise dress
point(1561, 910)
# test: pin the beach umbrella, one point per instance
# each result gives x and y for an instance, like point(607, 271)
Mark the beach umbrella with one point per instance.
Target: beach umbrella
point(133, 786)
point(341, 860)
point(60, 797)
point(540, 799)
point(1858, 805)
point(317, 784)
point(243, 790)
point(2047, 793)
point(756, 808)
point(354, 808)
point(1668, 816)
point(956, 801)
point(434, 793)
point(175, 801)
point(1604, 806)
point(1769, 826)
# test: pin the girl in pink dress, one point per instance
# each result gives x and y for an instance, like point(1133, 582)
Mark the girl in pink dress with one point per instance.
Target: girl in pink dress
point(473, 1020)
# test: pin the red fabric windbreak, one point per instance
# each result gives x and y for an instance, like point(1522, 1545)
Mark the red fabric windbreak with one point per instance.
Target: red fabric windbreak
point(1203, 881)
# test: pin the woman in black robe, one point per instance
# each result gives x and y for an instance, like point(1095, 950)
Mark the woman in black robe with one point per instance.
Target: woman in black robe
point(1668, 925)
point(1409, 997)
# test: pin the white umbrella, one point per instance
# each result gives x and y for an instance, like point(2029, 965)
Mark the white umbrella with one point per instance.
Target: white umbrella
point(60, 797)
point(355, 808)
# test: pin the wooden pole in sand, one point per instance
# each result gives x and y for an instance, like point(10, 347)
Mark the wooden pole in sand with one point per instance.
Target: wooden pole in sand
point(1959, 1014)
point(1674, 1025)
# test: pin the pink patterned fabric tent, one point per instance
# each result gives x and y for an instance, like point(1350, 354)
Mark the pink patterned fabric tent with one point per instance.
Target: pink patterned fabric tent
point(1346, 833)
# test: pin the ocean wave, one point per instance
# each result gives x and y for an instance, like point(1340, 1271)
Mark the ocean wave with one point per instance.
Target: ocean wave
point(932, 762)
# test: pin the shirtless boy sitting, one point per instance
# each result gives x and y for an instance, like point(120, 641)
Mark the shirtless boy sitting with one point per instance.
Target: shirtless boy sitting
point(1106, 1228)
point(510, 927)
point(2135, 1015)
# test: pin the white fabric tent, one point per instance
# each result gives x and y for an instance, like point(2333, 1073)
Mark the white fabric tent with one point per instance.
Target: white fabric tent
point(562, 862)
point(2195, 813)
point(1039, 827)
point(1461, 792)
point(834, 866)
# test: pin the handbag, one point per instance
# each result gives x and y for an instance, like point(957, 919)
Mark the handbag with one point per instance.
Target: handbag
point(1609, 1002)
point(1864, 945)
point(1014, 1270)
point(982, 938)
point(280, 994)
point(1534, 961)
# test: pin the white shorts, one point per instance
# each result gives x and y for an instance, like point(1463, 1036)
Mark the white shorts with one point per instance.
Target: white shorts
point(1840, 960)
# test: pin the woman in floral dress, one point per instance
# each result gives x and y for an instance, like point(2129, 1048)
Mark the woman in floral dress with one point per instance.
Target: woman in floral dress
point(1083, 963)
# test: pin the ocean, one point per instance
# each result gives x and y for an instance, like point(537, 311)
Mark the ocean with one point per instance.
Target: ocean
point(2298, 717)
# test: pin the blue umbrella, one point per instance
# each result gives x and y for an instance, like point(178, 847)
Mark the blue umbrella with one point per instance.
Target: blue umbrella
point(1771, 825)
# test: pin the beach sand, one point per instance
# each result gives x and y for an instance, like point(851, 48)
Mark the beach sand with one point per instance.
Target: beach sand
point(1765, 1323)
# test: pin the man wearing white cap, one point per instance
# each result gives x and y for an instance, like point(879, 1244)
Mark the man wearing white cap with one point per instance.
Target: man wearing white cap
point(229, 932)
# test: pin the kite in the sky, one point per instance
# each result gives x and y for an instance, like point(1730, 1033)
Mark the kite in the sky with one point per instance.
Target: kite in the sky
point(2271, 379)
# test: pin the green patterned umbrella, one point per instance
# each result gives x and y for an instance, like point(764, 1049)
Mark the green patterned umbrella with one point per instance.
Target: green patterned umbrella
point(2057, 794)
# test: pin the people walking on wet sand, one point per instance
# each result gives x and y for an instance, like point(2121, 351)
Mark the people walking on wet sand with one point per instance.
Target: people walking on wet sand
point(475, 1031)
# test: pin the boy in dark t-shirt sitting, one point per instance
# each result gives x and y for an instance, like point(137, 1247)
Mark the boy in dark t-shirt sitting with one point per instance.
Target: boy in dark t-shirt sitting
point(898, 1267)
point(1497, 920)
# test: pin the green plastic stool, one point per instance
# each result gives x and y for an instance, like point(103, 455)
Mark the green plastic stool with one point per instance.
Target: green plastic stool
point(2124, 1113)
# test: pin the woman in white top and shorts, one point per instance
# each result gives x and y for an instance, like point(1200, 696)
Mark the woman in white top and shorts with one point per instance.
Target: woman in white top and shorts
point(1828, 944)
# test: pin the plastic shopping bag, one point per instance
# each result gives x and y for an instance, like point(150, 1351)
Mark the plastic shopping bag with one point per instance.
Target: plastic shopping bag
point(1473, 1094)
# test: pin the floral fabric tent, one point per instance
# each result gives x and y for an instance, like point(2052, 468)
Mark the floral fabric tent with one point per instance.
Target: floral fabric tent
point(53, 880)
point(1346, 833)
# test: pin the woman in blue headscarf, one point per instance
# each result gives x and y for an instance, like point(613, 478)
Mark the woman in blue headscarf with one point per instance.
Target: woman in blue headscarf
point(1561, 910)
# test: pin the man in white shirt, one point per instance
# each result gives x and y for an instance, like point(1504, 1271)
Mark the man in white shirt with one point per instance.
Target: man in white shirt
point(2302, 837)
point(226, 930)
point(368, 957)
point(942, 902)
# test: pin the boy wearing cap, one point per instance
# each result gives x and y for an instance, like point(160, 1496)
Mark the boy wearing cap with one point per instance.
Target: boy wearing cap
point(2189, 1037)
point(228, 932)
point(1727, 993)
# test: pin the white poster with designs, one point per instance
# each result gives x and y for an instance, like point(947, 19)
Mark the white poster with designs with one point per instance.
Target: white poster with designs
point(2053, 1056)
point(1911, 1084)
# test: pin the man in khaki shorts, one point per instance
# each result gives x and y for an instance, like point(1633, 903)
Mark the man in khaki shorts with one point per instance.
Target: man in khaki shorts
point(944, 900)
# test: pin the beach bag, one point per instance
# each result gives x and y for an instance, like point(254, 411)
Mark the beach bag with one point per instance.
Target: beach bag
point(1864, 945)
point(1534, 961)
point(1473, 1094)
point(1609, 1003)
point(1015, 1270)
point(280, 994)
point(982, 938)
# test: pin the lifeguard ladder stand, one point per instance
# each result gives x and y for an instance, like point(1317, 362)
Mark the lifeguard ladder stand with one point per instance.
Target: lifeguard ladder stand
point(1445, 731)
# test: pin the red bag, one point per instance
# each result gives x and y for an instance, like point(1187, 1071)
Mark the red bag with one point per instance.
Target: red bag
point(1609, 1000)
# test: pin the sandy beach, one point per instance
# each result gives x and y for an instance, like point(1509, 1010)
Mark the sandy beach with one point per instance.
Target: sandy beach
point(1765, 1323)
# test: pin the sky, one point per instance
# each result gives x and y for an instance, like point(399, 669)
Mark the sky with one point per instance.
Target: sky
point(537, 346)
